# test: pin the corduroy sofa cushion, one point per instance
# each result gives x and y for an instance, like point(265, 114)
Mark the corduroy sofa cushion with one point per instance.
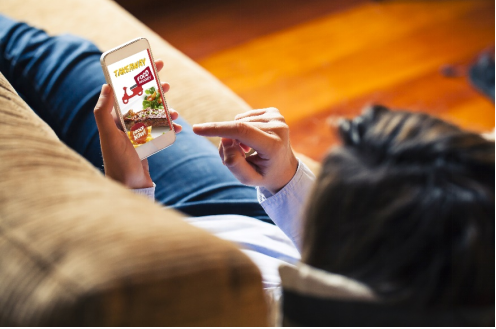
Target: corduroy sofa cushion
point(79, 249)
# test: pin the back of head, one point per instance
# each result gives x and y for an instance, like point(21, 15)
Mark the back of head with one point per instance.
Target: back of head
point(406, 205)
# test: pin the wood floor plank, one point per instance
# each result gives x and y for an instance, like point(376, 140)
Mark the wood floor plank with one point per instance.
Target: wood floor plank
point(451, 99)
point(325, 40)
point(299, 73)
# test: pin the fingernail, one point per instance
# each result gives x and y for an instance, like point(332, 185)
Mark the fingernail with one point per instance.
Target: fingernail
point(105, 90)
point(227, 142)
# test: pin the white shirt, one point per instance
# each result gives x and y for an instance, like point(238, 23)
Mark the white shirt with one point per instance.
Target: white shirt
point(267, 245)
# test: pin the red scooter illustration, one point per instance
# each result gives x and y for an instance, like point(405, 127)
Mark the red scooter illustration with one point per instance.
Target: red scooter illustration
point(137, 90)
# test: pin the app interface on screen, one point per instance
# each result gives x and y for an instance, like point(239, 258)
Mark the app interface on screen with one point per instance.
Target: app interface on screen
point(140, 101)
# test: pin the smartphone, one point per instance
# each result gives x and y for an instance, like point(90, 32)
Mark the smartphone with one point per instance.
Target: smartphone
point(139, 99)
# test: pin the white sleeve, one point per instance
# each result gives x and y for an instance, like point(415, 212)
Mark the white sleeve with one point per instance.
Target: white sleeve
point(148, 192)
point(285, 207)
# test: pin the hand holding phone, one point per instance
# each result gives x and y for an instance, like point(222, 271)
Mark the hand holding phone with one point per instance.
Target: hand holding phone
point(121, 161)
point(138, 96)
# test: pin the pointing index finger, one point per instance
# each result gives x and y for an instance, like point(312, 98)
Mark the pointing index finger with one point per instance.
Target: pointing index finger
point(244, 132)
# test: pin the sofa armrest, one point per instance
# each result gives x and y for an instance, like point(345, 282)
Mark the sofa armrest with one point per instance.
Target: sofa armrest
point(79, 249)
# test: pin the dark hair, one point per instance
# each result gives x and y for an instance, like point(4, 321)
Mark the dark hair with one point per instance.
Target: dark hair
point(406, 206)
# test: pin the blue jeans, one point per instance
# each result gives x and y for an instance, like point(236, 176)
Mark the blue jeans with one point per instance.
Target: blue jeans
point(60, 78)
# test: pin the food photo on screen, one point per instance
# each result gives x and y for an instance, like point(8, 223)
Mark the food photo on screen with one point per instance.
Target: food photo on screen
point(140, 100)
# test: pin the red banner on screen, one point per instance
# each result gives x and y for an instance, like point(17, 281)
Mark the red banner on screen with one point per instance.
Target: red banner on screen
point(144, 76)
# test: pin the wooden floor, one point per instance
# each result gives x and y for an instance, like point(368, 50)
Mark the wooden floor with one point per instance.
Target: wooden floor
point(320, 60)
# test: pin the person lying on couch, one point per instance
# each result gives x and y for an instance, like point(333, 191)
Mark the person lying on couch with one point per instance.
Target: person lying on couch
point(405, 205)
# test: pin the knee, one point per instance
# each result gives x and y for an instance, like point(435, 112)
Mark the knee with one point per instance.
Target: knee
point(74, 44)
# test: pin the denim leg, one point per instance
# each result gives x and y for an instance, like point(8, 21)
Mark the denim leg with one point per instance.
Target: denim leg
point(60, 78)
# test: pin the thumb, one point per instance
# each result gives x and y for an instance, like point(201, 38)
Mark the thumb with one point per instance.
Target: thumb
point(234, 159)
point(103, 111)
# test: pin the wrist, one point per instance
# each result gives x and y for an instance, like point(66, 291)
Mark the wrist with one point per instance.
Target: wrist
point(146, 182)
point(285, 178)
point(133, 182)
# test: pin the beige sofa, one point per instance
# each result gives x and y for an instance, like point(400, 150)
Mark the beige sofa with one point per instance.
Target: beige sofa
point(74, 250)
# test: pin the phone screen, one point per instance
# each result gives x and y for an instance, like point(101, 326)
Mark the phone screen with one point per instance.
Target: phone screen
point(140, 100)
